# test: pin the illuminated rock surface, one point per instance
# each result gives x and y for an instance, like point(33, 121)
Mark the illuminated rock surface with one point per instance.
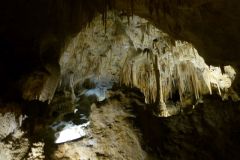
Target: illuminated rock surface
point(60, 59)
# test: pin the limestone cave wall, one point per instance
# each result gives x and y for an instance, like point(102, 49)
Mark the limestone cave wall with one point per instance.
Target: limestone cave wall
point(33, 34)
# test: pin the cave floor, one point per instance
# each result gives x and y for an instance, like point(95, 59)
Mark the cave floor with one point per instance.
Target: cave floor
point(111, 135)
point(123, 127)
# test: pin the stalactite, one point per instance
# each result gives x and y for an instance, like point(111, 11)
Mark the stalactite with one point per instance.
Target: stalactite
point(150, 6)
point(161, 89)
point(104, 19)
point(128, 20)
point(132, 84)
point(173, 72)
point(206, 76)
point(107, 4)
point(157, 76)
point(132, 7)
point(154, 63)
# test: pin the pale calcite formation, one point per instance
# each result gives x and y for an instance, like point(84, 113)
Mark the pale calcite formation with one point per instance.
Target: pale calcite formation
point(130, 51)
point(41, 85)
point(13, 143)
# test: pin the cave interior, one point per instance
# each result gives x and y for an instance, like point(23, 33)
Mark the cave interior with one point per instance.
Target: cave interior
point(119, 79)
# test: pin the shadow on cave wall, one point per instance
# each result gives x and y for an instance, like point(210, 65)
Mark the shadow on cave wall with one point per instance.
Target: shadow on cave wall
point(210, 131)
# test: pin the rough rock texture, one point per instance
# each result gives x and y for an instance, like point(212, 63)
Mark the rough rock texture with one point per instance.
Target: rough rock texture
point(37, 152)
point(130, 52)
point(41, 85)
point(15, 147)
point(212, 26)
point(209, 131)
point(13, 143)
point(11, 118)
point(33, 33)
point(8, 124)
point(111, 135)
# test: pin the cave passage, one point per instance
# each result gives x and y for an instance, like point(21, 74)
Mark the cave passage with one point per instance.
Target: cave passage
point(101, 66)
point(100, 82)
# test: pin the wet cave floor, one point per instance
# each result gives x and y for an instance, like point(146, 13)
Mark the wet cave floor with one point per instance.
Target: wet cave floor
point(122, 127)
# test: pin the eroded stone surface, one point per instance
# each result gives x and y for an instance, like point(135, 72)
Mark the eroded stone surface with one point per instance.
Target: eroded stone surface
point(137, 54)
point(33, 34)
point(110, 136)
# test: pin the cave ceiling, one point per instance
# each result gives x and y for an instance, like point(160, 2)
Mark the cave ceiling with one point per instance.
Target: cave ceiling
point(33, 34)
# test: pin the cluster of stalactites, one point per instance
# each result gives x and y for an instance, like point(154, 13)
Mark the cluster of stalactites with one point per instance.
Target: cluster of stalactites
point(181, 69)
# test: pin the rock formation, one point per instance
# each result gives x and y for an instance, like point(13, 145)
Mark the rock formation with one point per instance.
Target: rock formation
point(172, 53)
point(33, 34)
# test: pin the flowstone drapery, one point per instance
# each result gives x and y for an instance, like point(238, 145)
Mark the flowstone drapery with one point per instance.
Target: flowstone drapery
point(180, 69)
point(136, 54)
